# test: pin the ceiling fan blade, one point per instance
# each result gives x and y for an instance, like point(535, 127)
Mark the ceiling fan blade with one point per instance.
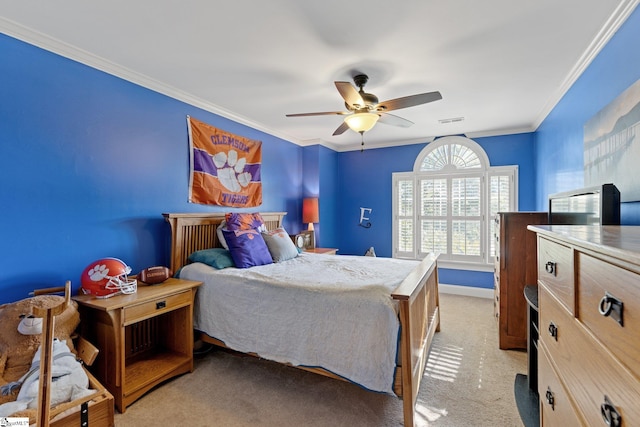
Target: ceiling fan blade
point(322, 113)
point(341, 129)
point(350, 94)
point(390, 119)
point(408, 101)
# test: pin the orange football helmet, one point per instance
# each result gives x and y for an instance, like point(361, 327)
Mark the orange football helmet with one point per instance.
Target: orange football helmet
point(107, 277)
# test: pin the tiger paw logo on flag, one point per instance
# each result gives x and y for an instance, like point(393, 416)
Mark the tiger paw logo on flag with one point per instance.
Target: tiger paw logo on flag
point(231, 170)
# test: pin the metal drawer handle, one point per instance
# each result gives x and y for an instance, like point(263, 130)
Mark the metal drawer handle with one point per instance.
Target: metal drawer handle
point(611, 306)
point(610, 414)
point(161, 304)
point(553, 330)
point(550, 267)
point(550, 399)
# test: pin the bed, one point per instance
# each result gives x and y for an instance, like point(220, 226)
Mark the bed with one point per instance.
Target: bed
point(412, 297)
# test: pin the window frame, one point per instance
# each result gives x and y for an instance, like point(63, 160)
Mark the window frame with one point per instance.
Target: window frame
point(486, 259)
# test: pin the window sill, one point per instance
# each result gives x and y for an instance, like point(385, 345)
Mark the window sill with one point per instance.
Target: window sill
point(461, 265)
point(471, 266)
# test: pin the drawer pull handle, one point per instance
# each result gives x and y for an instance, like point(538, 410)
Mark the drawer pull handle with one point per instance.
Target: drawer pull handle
point(553, 330)
point(550, 399)
point(160, 305)
point(610, 414)
point(550, 267)
point(611, 306)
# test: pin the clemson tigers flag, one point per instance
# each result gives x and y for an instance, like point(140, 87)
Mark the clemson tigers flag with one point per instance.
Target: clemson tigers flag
point(224, 168)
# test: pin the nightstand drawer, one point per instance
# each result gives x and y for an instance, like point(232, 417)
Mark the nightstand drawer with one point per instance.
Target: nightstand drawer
point(154, 307)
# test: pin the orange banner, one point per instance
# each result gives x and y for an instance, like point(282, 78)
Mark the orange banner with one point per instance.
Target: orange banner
point(224, 168)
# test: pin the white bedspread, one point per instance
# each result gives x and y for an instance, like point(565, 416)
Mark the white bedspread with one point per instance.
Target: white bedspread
point(327, 311)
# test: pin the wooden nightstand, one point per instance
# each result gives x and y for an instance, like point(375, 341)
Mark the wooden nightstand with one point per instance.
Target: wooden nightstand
point(144, 338)
point(326, 251)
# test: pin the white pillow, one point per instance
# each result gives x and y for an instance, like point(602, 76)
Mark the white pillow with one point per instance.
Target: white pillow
point(223, 242)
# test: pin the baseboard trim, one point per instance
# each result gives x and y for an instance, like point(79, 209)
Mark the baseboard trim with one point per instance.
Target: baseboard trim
point(469, 291)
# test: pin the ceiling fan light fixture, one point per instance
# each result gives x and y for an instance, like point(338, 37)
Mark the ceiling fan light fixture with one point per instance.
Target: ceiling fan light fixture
point(361, 122)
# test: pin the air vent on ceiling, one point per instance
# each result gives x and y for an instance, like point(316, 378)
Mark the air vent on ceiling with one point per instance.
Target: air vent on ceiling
point(451, 120)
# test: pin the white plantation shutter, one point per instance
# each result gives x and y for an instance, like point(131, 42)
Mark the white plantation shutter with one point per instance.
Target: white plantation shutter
point(403, 232)
point(433, 216)
point(501, 199)
point(447, 204)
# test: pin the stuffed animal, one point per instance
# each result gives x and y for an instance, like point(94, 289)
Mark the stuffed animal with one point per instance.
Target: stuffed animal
point(69, 381)
point(20, 336)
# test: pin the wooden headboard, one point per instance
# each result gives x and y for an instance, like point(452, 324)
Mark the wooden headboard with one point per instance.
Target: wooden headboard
point(192, 232)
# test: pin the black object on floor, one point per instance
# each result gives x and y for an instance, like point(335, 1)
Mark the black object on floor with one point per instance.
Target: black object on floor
point(527, 402)
point(202, 348)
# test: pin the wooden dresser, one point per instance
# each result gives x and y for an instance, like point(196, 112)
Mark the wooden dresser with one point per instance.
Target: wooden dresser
point(515, 267)
point(589, 317)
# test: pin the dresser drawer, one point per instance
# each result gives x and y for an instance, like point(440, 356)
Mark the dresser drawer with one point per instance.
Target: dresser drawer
point(585, 367)
point(597, 278)
point(555, 322)
point(142, 311)
point(555, 270)
point(556, 408)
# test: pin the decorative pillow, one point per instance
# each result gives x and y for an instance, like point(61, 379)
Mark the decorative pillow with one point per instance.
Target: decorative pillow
point(223, 242)
point(247, 248)
point(215, 257)
point(244, 221)
point(280, 245)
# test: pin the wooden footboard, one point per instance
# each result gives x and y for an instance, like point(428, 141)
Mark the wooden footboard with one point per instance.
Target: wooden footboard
point(419, 320)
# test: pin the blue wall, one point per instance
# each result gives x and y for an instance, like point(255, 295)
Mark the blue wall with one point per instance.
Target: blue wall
point(559, 139)
point(89, 162)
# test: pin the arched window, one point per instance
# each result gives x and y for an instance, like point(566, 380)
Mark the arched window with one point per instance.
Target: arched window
point(448, 203)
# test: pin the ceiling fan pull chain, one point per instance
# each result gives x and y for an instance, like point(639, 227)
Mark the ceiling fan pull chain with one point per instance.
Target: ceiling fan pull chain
point(362, 143)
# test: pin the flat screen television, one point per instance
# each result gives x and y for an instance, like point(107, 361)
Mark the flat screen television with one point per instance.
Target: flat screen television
point(598, 205)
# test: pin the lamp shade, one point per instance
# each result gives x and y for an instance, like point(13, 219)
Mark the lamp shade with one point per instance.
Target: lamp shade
point(310, 212)
point(361, 122)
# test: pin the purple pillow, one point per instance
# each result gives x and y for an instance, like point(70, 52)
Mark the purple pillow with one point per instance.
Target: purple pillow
point(247, 248)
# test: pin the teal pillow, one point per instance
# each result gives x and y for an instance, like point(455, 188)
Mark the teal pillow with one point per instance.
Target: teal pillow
point(215, 257)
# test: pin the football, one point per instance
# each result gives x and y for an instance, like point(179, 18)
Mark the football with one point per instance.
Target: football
point(154, 275)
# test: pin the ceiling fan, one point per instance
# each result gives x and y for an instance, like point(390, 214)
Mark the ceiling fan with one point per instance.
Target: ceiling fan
point(364, 110)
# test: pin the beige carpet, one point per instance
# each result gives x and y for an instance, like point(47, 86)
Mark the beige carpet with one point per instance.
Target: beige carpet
point(468, 382)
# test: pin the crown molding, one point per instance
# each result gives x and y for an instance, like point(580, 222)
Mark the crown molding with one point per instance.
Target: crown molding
point(500, 132)
point(615, 21)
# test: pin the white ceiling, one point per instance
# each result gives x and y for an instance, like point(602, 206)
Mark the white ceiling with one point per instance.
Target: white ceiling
point(500, 64)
